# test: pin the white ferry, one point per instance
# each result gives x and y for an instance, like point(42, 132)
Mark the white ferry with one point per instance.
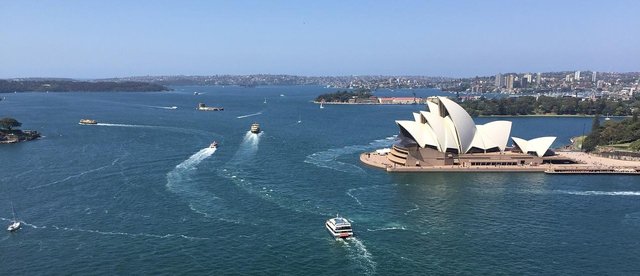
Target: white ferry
point(339, 227)
point(88, 122)
point(255, 128)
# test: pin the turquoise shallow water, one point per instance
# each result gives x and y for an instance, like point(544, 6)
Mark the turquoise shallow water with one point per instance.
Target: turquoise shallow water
point(141, 194)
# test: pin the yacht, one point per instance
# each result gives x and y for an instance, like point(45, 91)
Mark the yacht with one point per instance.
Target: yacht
point(88, 122)
point(255, 128)
point(339, 227)
point(15, 224)
point(214, 145)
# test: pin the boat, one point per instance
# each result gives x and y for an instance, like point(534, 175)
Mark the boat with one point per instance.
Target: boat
point(265, 100)
point(203, 107)
point(214, 145)
point(196, 93)
point(255, 128)
point(15, 224)
point(321, 106)
point(339, 227)
point(88, 122)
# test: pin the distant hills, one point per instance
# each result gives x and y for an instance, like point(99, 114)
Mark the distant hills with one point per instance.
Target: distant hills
point(69, 85)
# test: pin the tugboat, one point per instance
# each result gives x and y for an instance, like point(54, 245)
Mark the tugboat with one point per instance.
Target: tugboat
point(339, 227)
point(255, 128)
point(88, 122)
point(214, 145)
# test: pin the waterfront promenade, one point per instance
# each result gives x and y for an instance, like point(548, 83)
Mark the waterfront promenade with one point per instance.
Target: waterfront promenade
point(585, 163)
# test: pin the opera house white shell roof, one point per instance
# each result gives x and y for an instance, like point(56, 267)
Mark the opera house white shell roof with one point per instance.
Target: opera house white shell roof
point(448, 126)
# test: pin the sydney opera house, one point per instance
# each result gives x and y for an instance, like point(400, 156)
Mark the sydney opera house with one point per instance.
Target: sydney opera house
point(447, 136)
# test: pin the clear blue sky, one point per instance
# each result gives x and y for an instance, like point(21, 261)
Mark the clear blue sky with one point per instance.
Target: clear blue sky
point(96, 39)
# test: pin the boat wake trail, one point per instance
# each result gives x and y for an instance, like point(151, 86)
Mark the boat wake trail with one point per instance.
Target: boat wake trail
point(360, 255)
point(112, 233)
point(179, 181)
point(328, 159)
point(598, 193)
point(167, 128)
point(249, 115)
point(113, 163)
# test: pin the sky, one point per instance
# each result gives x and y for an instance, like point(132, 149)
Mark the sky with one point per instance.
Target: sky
point(102, 39)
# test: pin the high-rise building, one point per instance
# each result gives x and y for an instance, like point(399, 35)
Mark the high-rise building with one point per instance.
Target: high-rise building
point(498, 80)
point(509, 81)
point(539, 78)
point(593, 76)
point(576, 76)
point(528, 77)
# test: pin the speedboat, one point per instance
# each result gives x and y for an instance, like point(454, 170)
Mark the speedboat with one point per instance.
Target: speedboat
point(339, 227)
point(214, 145)
point(255, 128)
point(88, 122)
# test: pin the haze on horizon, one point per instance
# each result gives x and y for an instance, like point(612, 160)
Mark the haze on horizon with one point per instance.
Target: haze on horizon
point(101, 39)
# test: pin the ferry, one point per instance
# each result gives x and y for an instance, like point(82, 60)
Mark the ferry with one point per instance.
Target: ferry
point(255, 128)
point(339, 227)
point(214, 145)
point(88, 122)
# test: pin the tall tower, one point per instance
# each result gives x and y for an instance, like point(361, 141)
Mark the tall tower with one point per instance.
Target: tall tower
point(498, 80)
point(510, 83)
point(593, 76)
point(539, 78)
point(576, 76)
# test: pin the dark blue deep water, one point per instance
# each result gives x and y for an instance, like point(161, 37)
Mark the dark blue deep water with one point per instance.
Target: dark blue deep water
point(141, 194)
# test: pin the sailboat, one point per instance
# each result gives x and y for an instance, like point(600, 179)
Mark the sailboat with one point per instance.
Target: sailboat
point(265, 100)
point(15, 224)
point(299, 119)
point(321, 106)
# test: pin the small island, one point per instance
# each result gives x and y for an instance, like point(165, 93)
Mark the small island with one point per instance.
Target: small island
point(364, 96)
point(9, 134)
point(69, 85)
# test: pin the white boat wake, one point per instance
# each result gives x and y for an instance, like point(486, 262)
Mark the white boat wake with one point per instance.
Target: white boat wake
point(179, 181)
point(167, 128)
point(112, 233)
point(360, 255)
point(598, 193)
point(250, 115)
point(113, 163)
point(328, 159)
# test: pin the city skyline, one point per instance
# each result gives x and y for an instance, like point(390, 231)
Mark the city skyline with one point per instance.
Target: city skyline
point(414, 38)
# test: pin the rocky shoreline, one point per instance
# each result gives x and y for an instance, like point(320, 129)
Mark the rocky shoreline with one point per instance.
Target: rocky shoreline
point(16, 136)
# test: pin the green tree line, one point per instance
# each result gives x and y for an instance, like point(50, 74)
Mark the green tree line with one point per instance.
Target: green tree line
point(344, 96)
point(529, 105)
point(10, 86)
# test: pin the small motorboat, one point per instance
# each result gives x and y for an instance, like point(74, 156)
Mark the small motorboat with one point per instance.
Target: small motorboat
point(214, 145)
point(255, 128)
point(339, 227)
point(88, 122)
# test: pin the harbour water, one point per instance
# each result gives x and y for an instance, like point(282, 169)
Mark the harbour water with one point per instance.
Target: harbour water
point(141, 193)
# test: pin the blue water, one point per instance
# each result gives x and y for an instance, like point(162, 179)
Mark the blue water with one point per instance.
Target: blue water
point(141, 193)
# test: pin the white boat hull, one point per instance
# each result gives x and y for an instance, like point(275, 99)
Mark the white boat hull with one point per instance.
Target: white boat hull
point(14, 226)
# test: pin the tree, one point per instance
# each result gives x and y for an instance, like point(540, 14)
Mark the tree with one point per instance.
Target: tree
point(8, 123)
